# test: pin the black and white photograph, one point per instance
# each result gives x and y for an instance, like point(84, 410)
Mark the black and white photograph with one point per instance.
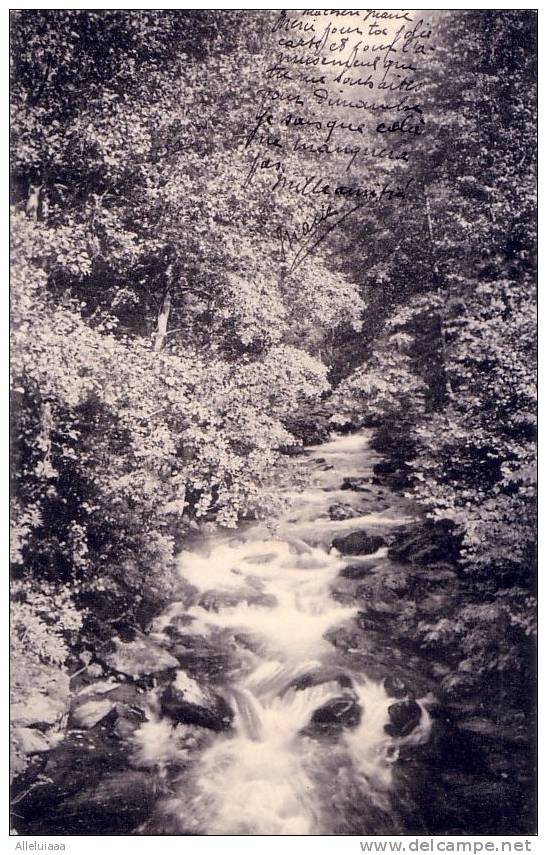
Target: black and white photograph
point(273, 357)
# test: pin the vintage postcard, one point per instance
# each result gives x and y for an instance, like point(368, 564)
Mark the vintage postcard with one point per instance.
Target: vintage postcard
point(273, 432)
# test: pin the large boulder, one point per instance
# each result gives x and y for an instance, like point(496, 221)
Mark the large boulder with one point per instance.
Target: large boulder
point(106, 702)
point(85, 762)
point(215, 601)
point(140, 657)
point(116, 803)
point(358, 543)
point(186, 702)
point(322, 675)
point(335, 715)
point(404, 717)
point(91, 712)
point(199, 658)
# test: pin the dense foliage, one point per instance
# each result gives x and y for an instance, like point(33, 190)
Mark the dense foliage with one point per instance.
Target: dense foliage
point(452, 373)
point(157, 351)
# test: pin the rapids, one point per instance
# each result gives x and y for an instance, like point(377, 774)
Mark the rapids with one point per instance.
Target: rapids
point(267, 596)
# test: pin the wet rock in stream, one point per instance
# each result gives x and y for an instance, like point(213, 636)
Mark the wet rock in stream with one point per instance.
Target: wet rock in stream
point(357, 571)
point(195, 705)
point(357, 485)
point(91, 712)
point(404, 717)
point(321, 676)
point(203, 663)
point(358, 543)
point(335, 715)
point(217, 600)
point(200, 658)
point(342, 511)
point(118, 802)
point(108, 702)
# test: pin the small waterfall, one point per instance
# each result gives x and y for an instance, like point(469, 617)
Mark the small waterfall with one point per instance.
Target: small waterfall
point(271, 598)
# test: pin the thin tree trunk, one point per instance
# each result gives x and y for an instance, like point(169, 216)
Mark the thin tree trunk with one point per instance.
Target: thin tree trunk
point(163, 320)
point(442, 295)
point(163, 316)
point(33, 201)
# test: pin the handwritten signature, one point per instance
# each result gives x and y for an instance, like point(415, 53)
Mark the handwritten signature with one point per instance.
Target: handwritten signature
point(307, 236)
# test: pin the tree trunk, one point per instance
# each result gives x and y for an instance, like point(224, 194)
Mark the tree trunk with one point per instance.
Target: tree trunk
point(33, 201)
point(442, 296)
point(163, 316)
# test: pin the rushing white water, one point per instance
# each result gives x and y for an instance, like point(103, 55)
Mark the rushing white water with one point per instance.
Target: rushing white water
point(270, 774)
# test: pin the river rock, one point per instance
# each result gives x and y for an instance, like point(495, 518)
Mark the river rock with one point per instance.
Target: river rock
point(217, 600)
point(128, 720)
point(350, 639)
point(127, 693)
point(322, 675)
point(358, 543)
point(122, 705)
point(336, 714)
point(404, 717)
point(186, 702)
point(91, 712)
point(357, 571)
point(343, 511)
point(321, 464)
point(203, 663)
point(139, 658)
point(33, 741)
point(358, 485)
point(200, 658)
point(46, 702)
point(99, 687)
